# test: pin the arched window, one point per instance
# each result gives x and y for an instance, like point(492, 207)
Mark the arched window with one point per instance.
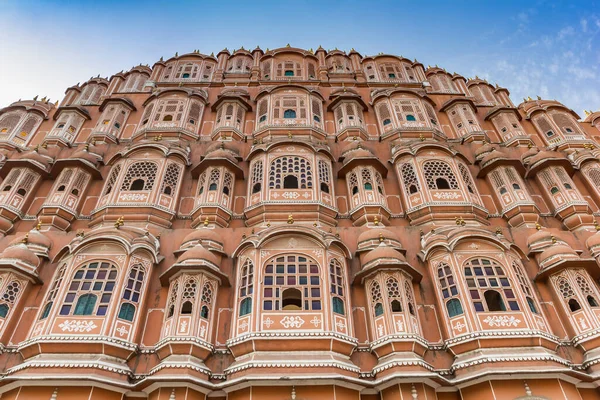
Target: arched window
point(53, 292)
point(246, 288)
point(487, 281)
point(449, 290)
point(90, 290)
point(466, 176)
point(324, 176)
point(300, 275)
point(454, 308)
point(112, 179)
point(367, 179)
point(410, 298)
point(410, 117)
point(132, 292)
point(140, 176)
point(336, 276)
point(376, 299)
point(525, 286)
point(409, 179)
point(586, 290)
point(257, 176)
point(171, 179)
point(172, 300)
point(188, 297)
point(284, 167)
point(214, 179)
point(9, 297)
point(394, 296)
point(353, 183)
point(206, 299)
point(289, 114)
point(439, 175)
point(290, 182)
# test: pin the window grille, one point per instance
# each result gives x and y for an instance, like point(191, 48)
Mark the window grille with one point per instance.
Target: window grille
point(171, 179)
point(439, 169)
point(565, 124)
point(336, 276)
point(466, 176)
point(291, 271)
point(144, 171)
point(9, 297)
point(485, 276)
point(90, 290)
point(409, 179)
point(246, 288)
point(53, 292)
point(283, 167)
point(188, 296)
point(206, 300)
point(114, 174)
point(172, 299)
point(376, 299)
point(132, 292)
point(257, 176)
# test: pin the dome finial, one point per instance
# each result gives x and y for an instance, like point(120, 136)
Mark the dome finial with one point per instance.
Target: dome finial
point(290, 219)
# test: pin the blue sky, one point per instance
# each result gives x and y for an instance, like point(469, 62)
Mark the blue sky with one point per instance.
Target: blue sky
point(545, 48)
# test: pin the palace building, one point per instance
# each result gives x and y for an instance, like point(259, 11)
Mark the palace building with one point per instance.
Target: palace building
point(295, 224)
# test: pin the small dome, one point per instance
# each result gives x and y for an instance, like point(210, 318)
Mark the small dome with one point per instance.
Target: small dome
point(39, 156)
point(35, 238)
point(22, 253)
point(593, 242)
point(374, 236)
point(202, 235)
point(561, 250)
point(545, 155)
point(359, 153)
point(486, 148)
point(87, 154)
point(525, 158)
point(541, 239)
point(198, 253)
point(384, 252)
point(491, 156)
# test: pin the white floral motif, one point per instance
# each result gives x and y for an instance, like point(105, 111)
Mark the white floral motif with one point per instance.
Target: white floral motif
point(244, 326)
point(292, 322)
point(317, 252)
point(202, 330)
point(400, 326)
point(583, 324)
point(315, 321)
point(291, 195)
point(459, 326)
point(133, 197)
point(77, 326)
point(380, 330)
point(341, 325)
point(268, 322)
point(122, 331)
point(292, 243)
point(447, 196)
point(503, 320)
point(183, 326)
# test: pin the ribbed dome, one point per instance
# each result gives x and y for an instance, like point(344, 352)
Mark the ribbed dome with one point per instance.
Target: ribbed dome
point(34, 237)
point(557, 250)
point(540, 236)
point(222, 153)
point(593, 241)
point(40, 156)
point(201, 235)
point(375, 234)
point(491, 156)
point(481, 151)
point(386, 253)
point(528, 154)
point(86, 155)
point(198, 253)
point(545, 155)
point(357, 154)
point(22, 253)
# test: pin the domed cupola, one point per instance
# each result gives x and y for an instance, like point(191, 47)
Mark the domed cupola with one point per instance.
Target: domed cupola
point(208, 238)
point(372, 238)
point(593, 243)
point(21, 260)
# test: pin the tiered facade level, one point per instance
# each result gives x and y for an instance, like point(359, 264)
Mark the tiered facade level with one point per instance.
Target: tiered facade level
point(290, 224)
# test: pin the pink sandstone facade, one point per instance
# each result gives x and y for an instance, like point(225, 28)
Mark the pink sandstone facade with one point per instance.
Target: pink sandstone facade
point(292, 224)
